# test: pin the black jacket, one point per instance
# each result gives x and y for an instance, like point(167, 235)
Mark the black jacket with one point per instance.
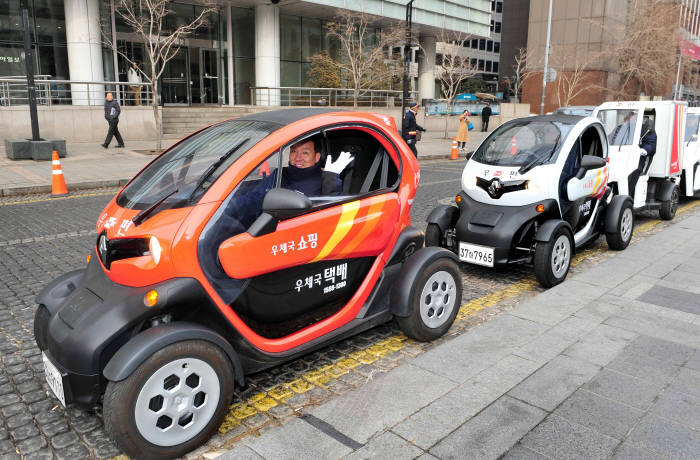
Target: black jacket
point(486, 113)
point(410, 127)
point(112, 110)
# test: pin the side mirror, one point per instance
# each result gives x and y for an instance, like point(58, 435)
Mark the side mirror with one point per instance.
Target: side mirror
point(282, 203)
point(589, 162)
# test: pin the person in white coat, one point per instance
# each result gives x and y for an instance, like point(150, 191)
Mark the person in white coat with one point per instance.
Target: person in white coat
point(134, 90)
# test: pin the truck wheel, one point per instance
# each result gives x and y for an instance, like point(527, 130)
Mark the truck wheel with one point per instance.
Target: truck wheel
point(436, 297)
point(41, 327)
point(668, 209)
point(433, 235)
point(553, 259)
point(172, 403)
point(621, 237)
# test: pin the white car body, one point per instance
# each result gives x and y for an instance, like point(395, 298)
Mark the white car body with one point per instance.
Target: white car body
point(691, 154)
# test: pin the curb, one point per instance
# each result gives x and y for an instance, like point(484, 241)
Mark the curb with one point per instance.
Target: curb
point(35, 189)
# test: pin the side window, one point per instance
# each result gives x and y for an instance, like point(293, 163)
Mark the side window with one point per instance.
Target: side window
point(337, 165)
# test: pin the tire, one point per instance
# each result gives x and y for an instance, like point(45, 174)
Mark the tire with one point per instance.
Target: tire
point(132, 406)
point(624, 229)
point(668, 208)
point(41, 327)
point(432, 314)
point(433, 235)
point(553, 259)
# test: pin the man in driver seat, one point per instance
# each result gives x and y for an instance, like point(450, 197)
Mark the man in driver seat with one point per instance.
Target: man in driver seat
point(304, 173)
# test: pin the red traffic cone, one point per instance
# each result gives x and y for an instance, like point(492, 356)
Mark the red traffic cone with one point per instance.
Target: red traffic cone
point(453, 154)
point(58, 182)
point(513, 147)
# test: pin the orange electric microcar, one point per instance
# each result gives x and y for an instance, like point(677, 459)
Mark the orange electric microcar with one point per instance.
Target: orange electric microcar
point(246, 244)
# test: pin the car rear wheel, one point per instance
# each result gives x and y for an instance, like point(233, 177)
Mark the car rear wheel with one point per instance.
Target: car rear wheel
point(172, 403)
point(621, 237)
point(668, 208)
point(436, 297)
point(553, 259)
point(433, 235)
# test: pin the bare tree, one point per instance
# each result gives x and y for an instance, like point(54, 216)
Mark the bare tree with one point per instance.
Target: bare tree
point(645, 48)
point(453, 68)
point(570, 81)
point(521, 72)
point(362, 50)
point(146, 18)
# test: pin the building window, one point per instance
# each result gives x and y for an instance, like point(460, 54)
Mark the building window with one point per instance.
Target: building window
point(493, 6)
point(491, 25)
point(482, 44)
point(497, 29)
point(438, 59)
point(488, 66)
point(473, 63)
point(480, 65)
point(496, 47)
point(499, 7)
point(495, 67)
point(475, 43)
point(489, 46)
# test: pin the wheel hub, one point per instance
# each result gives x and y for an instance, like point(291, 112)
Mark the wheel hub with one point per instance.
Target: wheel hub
point(561, 255)
point(438, 299)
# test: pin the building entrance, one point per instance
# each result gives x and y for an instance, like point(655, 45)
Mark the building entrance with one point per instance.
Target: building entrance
point(192, 77)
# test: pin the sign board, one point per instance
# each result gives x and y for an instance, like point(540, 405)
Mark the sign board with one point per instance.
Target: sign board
point(551, 75)
point(690, 50)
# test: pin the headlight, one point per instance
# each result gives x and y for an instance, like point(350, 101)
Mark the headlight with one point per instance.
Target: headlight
point(154, 248)
point(532, 185)
point(470, 182)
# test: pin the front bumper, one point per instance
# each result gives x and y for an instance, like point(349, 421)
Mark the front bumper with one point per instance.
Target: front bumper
point(92, 322)
point(500, 227)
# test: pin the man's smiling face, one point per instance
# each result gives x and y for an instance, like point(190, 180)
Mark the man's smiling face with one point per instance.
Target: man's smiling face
point(302, 155)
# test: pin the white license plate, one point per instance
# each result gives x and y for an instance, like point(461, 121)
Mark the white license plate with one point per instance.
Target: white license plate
point(475, 254)
point(54, 379)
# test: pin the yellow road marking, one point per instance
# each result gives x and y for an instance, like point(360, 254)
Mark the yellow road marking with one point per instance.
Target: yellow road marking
point(70, 197)
point(325, 374)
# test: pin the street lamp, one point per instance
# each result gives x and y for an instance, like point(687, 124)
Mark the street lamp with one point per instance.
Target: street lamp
point(546, 59)
point(406, 58)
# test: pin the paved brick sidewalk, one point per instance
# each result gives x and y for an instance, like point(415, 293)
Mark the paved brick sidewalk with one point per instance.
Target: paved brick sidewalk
point(90, 166)
point(606, 365)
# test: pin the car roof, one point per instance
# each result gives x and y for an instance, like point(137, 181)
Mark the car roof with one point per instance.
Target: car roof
point(556, 117)
point(284, 117)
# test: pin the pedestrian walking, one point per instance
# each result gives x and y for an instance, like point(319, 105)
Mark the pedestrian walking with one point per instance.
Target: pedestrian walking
point(135, 88)
point(410, 127)
point(485, 115)
point(463, 132)
point(112, 111)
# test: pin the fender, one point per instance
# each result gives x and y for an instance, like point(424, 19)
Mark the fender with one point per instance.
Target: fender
point(57, 291)
point(547, 230)
point(141, 347)
point(445, 216)
point(409, 241)
point(665, 190)
point(613, 211)
point(412, 268)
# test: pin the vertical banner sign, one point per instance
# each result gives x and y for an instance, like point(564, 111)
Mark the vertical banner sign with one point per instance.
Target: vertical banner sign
point(675, 163)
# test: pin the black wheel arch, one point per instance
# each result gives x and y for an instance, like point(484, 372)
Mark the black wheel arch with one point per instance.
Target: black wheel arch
point(612, 212)
point(412, 268)
point(549, 227)
point(143, 345)
point(444, 216)
point(664, 192)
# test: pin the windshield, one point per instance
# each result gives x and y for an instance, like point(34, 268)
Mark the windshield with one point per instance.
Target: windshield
point(521, 143)
point(619, 125)
point(691, 126)
point(190, 167)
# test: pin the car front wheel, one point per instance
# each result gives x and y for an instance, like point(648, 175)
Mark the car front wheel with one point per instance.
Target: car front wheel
point(172, 403)
point(553, 259)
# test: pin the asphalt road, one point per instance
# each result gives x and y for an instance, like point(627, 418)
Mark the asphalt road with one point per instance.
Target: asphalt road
point(42, 238)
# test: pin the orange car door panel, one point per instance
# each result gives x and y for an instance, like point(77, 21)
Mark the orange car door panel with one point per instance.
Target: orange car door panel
point(359, 228)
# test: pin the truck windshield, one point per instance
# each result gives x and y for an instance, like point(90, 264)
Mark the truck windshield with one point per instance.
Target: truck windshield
point(521, 143)
point(619, 125)
point(183, 168)
point(691, 126)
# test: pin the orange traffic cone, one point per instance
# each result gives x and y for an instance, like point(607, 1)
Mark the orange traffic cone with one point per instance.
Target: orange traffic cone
point(453, 154)
point(513, 147)
point(58, 182)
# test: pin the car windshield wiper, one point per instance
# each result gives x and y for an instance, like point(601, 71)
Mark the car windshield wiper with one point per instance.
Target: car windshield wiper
point(525, 168)
point(216, 164)
point(141, 216)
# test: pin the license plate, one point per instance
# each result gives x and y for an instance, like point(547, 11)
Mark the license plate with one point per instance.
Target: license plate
point(54, 379)
point(475, 254)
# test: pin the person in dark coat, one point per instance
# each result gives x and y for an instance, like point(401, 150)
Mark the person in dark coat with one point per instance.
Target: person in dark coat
point(112, 111)
point(410, 128)
point(647, 149)
point(485, 115)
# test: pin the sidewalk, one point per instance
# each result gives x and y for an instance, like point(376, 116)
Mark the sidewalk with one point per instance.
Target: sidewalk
point(91, 166)
point(605, 365)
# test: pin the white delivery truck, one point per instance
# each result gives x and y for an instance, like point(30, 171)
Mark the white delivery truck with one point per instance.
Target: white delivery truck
point(646, 143)
point(690, 180)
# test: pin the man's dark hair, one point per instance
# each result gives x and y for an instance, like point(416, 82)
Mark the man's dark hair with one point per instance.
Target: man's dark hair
point(316, 139)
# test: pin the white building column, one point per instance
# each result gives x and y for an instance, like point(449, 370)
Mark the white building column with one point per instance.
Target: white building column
point(84, 50)
point(229, 56)
point(267, 53)
point(426, 69)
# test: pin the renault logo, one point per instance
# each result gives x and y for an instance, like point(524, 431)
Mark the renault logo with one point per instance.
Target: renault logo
point(495, 188)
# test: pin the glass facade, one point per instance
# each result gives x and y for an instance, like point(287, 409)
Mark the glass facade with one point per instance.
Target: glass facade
point(300, 38)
